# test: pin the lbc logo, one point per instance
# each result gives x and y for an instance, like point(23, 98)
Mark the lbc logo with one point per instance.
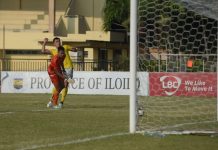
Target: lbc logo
point(170, 84)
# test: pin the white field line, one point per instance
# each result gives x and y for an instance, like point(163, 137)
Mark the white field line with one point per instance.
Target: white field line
point(37, 110)
point(6, 113)
point(9, 113)
point(33, 147)
point(45, 110)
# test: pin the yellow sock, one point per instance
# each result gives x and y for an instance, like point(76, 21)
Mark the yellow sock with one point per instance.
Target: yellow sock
point(53, 90)
point(63, 94)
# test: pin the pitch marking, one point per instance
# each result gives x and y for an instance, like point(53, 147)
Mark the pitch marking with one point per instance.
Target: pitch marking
point(5, 113)
point(74, 141)
point(36, 110)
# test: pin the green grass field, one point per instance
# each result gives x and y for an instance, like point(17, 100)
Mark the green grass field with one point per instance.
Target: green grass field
point(170, 113)
point(85, 123)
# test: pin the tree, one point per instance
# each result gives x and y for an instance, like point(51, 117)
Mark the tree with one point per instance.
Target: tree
point(116, 15)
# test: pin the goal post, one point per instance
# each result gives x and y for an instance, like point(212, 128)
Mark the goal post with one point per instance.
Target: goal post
point(133, 65)
point(176, 47)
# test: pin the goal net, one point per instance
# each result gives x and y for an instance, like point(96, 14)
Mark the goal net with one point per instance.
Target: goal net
point(177, 47)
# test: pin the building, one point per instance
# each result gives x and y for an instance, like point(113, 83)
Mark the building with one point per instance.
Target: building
point(25, 23)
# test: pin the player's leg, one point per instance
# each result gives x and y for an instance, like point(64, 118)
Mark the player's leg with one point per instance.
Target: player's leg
point(55, 96)
point(64, 93)
point(50, 99)
point(58, 85)
point(65, 90)
point(54, 90)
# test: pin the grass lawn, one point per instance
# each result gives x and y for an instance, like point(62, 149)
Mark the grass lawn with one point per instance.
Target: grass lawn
point(85, 123)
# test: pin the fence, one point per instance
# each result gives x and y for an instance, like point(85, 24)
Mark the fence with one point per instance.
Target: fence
point(24, 64)
point(42, 64)
point(178, 63)
point(152, 63)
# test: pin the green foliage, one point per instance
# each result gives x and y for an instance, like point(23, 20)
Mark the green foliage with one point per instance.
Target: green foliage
point(149, 65)
point(122, 64)
point(116, 12)
point(170, 25)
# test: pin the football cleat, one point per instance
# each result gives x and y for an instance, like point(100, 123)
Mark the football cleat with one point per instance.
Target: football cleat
point(49, 105)
point(56, 107)
point(61, 104)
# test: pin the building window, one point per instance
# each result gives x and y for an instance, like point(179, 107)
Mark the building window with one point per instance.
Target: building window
point(102, 59)
point(86, 54)
point(117, 54)
point(102, 54)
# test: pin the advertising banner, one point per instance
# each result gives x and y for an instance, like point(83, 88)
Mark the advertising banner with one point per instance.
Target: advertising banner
point(183, 84)
point(110, 83)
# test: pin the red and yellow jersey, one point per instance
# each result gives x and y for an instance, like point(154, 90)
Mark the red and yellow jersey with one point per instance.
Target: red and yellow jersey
point(67, 61)
point(56, 63)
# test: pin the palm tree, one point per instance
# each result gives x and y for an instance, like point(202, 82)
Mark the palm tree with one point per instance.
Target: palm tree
point(116, 15)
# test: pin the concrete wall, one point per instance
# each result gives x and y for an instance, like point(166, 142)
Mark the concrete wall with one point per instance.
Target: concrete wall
point(87, 8)
point(34, 5)
point(61, 5)
point(91, 9)
point(89, 12)
point(9, 5)
point(88, 27)
point(90, 53)
point(1, 37)
point(24, 40)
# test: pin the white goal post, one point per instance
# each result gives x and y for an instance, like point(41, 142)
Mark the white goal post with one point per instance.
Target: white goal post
point(133, 67)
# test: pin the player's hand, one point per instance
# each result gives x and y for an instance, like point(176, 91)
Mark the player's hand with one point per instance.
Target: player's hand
point(74, 49)
point(64, 72)
point(45, 40)
point(69, 80)
point(65, 82)
point(65, 76)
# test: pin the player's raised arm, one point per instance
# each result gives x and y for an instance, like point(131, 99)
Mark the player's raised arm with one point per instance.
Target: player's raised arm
point(44, 50)
point(70, 48)
point(74, 49)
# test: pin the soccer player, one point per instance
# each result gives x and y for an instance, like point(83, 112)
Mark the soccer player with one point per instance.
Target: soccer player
point(67, 63)
point(57, 75)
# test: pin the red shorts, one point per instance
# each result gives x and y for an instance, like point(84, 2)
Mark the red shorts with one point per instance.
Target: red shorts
point(57, 81)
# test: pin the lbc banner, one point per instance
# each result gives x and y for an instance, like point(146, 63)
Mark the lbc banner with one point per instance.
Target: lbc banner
point(183, 84)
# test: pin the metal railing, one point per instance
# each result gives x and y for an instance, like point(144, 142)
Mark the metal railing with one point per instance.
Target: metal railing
point(160, 63)
point(42, 65)
point(94, 65)
point(24, 64)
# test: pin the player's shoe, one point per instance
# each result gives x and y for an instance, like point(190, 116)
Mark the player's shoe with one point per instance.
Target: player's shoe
point(61, 104)
point(56, 107)
point(49, 105)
